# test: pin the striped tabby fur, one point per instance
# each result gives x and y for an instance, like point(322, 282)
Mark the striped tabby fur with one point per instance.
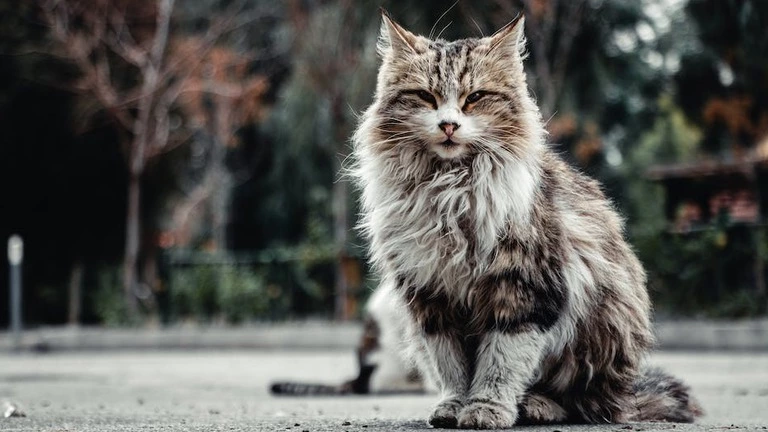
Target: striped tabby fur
point(520, 298)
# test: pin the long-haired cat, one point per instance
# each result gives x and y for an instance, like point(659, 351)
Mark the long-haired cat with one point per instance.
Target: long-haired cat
point(517, 293)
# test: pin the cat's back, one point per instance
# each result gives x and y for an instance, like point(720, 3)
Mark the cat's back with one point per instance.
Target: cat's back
point(593, 246)
point(579, 201)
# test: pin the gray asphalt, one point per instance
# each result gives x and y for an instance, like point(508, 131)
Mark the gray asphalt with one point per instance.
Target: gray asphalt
point(228, 391)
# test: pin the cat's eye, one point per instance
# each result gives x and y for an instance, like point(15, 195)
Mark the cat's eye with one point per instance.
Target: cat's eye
point(474, 97)
point(427, 97)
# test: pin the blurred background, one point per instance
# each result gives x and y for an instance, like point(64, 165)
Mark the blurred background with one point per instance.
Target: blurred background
point(171, 162)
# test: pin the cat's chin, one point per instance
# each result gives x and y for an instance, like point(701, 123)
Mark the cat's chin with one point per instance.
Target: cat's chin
point(449, 149)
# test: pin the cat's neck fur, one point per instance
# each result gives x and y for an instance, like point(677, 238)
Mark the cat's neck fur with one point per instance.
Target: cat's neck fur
point(446, 215)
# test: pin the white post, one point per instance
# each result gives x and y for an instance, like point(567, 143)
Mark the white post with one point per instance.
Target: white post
point(15, 257)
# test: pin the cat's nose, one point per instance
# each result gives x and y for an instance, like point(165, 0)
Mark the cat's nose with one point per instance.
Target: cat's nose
point(448, 127)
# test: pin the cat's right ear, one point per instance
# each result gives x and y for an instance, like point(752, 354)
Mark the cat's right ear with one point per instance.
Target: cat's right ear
point(393, 38)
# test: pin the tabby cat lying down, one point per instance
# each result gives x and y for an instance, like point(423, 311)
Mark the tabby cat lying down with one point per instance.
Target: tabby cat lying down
point(506, 280)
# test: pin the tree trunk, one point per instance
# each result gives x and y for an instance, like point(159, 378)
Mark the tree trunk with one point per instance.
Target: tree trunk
point(130, 258)
point(340, 227)
point(75, 293)
point(137, 155)
point(340, 197)
point(220, 179)
point(220, 202)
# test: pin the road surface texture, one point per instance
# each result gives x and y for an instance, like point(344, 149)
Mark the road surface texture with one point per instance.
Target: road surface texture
point(228, 391)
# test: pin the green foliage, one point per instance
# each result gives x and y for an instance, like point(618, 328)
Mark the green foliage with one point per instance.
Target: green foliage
point(108, 304)
point(705, 273)
point(218, 292)
point(671, 139)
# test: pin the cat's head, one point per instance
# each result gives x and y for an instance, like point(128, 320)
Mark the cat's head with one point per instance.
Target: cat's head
point(453, 99)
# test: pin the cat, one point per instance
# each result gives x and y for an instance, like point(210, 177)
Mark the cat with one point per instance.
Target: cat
point(515, 290)
point(382, 368)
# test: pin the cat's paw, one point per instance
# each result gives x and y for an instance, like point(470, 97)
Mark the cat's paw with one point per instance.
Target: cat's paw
point(487, 415)
point(446, 414)
point(539, 409)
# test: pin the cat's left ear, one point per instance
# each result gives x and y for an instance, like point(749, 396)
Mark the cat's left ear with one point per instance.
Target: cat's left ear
point(394, 38)
point(510, 38)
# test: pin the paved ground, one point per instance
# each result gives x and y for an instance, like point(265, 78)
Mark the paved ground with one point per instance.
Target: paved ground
point(227, 391)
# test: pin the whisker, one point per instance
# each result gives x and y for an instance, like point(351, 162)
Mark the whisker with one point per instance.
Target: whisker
point(441, 31)
point(432, 30)
point(478, 26)
point(393, 134)
point(399, 134)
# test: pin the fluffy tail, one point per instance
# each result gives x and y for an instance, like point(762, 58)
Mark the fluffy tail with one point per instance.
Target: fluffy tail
point(662, 397)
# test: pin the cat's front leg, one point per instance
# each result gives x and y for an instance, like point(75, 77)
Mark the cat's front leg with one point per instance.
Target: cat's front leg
point(505, 365)
point(437, 324)
point(446, 356)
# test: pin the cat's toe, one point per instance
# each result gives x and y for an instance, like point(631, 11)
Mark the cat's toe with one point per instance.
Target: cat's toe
point(484, 415)
point(539, 409)
point(446, 414)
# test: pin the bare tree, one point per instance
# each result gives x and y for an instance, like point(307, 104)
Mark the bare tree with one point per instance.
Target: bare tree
point(107, 39)
point(223, 95)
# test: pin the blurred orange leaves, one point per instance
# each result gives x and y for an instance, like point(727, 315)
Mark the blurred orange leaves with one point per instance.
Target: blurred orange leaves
point(223, 79)
point(735, 113)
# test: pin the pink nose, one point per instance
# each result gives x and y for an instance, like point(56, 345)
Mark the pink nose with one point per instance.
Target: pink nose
point(448, 128)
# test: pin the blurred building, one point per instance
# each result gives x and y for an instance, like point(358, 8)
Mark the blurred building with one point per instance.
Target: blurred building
point(727, 199)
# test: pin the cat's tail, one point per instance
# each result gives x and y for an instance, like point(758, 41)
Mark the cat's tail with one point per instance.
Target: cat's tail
point(288, 388)
point(662, 397)
point(359, 385)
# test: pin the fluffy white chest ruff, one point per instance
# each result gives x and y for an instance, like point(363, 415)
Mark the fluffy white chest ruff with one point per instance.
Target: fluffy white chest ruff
point(439, 228)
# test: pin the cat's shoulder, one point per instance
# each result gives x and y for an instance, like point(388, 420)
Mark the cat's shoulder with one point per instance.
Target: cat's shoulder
point(564, 179)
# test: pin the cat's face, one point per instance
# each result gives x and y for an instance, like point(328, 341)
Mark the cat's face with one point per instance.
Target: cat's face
point(454, 99)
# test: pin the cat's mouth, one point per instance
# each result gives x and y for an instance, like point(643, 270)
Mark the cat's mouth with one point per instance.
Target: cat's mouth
point(449, 149)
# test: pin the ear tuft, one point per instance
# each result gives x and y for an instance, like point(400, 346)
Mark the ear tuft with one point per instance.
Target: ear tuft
point(511, 37)
point(394, 38)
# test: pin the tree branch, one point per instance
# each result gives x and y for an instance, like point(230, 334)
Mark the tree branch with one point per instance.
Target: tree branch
point(122, 43)
point(569, 31)
point(150, 75)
